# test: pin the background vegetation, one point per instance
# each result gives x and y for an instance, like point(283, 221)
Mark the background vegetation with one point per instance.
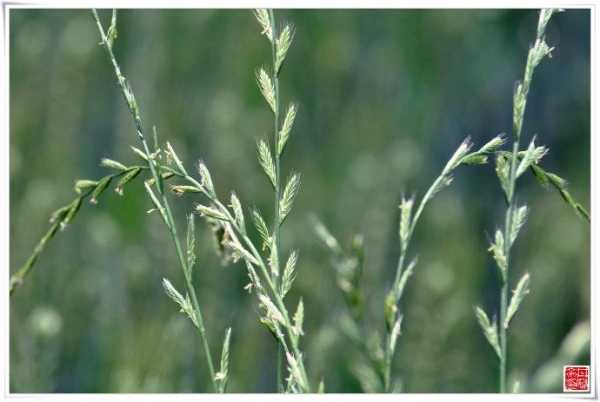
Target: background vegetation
point(385, 98)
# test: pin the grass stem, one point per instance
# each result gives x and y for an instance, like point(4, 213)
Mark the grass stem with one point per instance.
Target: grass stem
point(158, 182)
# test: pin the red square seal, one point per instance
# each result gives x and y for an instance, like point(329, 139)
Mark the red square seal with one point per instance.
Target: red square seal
point(576, 379)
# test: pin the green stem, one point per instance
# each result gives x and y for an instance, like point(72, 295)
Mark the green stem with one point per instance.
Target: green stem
point(168, 217)
point(276, 215)
point(503, 344)
point(188, 280)
point(519, 106)
point(388, 356)
point(507, 249)
point(280, 388)
point(16, 280)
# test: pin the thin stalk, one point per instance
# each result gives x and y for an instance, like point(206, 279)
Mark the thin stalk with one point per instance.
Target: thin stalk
point(503, 343)
point(188, 281)
point(415, 220)
point(387, 369)
point(16, 280)
point(276, 218)
point(158, 182)
point(408, 223)
point(280, 388)
point(507, 248)
point(388, 356)
point(536, 53)
point(276, 215)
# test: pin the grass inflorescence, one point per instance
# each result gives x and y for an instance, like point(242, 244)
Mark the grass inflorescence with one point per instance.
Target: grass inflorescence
point(510, 165)
point(158, 196)
point(271, 277)
point(63, 216)
point(349, 268)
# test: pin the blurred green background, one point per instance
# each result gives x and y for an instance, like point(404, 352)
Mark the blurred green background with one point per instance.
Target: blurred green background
point(385, 97)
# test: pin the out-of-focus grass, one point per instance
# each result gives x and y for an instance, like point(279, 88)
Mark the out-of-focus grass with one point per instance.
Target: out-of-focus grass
point(384, 96)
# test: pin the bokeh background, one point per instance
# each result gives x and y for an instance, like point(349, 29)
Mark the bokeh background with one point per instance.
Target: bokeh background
point(385, 97)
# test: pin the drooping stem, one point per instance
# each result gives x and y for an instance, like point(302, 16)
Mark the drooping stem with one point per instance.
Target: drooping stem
point(158, 183)
point(69, 211)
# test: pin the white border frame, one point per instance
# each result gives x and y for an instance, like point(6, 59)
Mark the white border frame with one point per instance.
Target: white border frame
point(230, 4)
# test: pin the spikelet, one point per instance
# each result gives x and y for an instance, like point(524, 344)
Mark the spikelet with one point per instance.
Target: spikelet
point(238, 213)
point(112, 164)
point(490, 330)
point(289, 194)
point(289, 273)
point(519, 294)
point(518, 220)
point(282, 45)
point(493, 144)
point(127, 177)
point(533, 155)
point(286, 128)
point(271, 310)
point(211, 212)
point(205, 179)
point(266, 87)
point(262, 16)
point(458, 155)
point(299, 319)
point(262, 229)
point(266, 161)
point(223, 374)
point(497, 250)
point(82, 185)
point(405, 221)
point(100, 188)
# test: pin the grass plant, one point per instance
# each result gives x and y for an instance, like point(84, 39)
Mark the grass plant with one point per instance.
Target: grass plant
point(381, 356)
point(155, 188)
point(270, 278)
point(509, 167)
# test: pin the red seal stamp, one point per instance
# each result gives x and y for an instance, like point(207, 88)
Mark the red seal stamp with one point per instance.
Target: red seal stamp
point(576, 379)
